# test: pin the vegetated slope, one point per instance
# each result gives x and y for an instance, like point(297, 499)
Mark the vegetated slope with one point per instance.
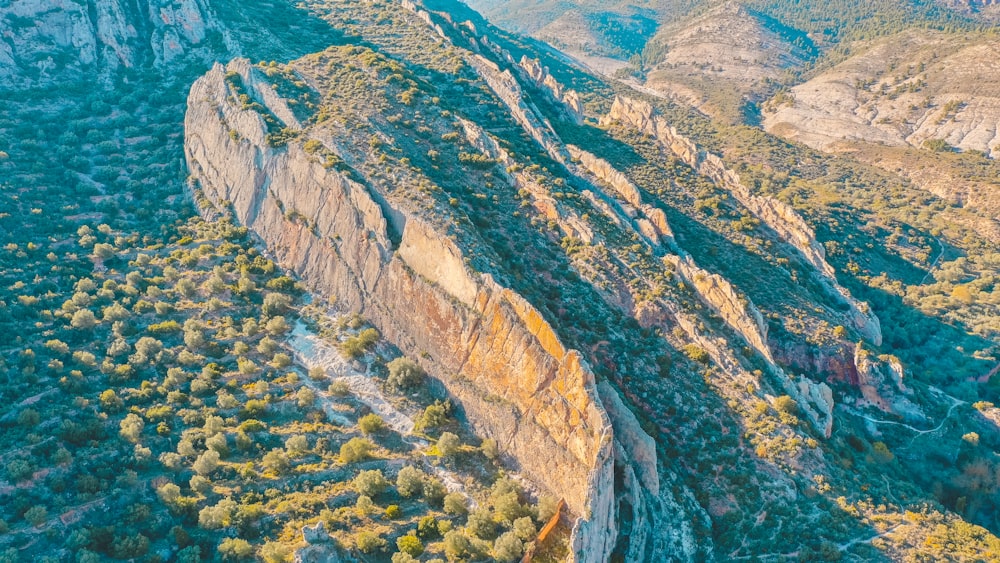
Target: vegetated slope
point(906, 104)
point(699, 296)
point(51, 43)
point(725, 59)
point(722, 56)
point(153, 406)
point(748, 474)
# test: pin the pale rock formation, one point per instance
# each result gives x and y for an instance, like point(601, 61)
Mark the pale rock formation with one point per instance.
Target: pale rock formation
point(880, 380)
point(820, 396)
point(315, 534)
point(645, 219)
point(539, 74)
point(902, 90)
point(778, 216)
point(64, 38)
point(480, 338)
point(657, 522)
point(737, 310)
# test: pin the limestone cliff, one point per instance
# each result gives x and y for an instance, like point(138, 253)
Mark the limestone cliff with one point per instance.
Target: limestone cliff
point(480, 338)
point(541, 77)
point(48, 40)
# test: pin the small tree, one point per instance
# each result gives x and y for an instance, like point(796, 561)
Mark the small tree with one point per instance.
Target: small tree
point(448, 444)
point(410, 544)
point(131, 427)
point(355, 449)
point(274, 552)
point(369, 542)
point(481, 524)
point(410, 481)
point(508, 507)
point(235, 549)
point(404, 374)
point(297, 445)
point(276, 461)
point(525, 528)
point(36, 515)
point(490, 449)
point(206, 462)
point(370, 483)
point(454, 504)
point(508, 548)
point(427, 527)
point(371, 423)
point(456, 545)
point(83, 319)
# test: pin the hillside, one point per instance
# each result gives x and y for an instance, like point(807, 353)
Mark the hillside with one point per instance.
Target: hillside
point(396, 285)
point(915, 89)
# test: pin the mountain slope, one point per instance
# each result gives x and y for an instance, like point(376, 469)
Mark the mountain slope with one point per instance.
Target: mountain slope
point(631, 225)
point(526, 282)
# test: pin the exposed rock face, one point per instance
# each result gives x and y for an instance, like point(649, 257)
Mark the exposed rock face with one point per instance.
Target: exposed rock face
point(735, 309)
point(315, 534)
point(880, 380)
point(480, 338)
point(541, 77)
point(778, 216)
point(647, 220)
point(44, 40)
point(507, 88)
point(904, 90)
point(656, 520)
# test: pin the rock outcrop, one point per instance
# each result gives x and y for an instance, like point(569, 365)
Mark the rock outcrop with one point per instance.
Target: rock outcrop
point(780, 217)
point(880, 379)
point(905, 90)
point(569, 99)
point(48, 40)
point(738, 312)
point(480, 338)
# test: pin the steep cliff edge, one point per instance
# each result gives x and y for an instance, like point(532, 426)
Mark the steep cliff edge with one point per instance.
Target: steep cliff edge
point(481, 339)
point(47, 41)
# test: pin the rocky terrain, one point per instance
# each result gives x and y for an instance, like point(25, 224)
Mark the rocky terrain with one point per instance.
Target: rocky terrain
point(725, 58)
point(916, 89)
point(708, 342)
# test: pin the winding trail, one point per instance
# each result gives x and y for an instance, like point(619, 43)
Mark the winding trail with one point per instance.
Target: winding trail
point(936, 261)
point(919, 432)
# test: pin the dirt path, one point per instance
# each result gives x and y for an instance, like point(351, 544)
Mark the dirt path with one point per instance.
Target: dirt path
point(935, 263)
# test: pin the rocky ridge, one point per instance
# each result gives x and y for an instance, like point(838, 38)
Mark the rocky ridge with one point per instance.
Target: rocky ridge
point(777, 215)
point(476, 322)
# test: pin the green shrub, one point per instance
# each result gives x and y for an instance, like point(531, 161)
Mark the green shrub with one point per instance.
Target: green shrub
point(371, 423)
point(410, 545)
point(455, 504)
point(404, 374)
point(370, 483)
point(369, 542)
point(356, 449)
